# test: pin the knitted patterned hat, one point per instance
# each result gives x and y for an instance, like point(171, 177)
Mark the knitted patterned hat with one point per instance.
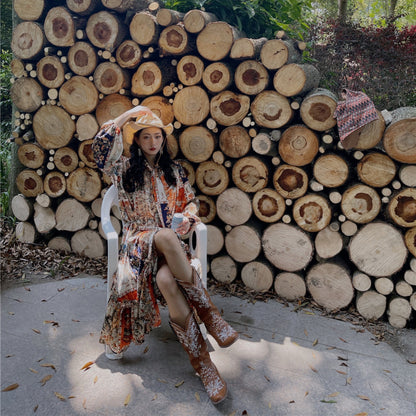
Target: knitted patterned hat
point(355, 112)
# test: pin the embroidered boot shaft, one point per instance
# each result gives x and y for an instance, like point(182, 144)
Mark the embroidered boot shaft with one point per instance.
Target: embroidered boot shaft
point(194, 344)
point(199, 298)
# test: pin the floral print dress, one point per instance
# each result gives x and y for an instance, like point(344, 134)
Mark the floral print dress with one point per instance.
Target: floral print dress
point(132, 309)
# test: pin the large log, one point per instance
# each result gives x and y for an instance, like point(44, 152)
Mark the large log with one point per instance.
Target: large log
point(31, 155)
point(384, 285)
point(376, 169)
point(53, 127)
point(128, 54)
point(234, 141)
point(189, 70)
point(50, 72)
point(26, 94)
point(65, 159)
point(331, 170)
point(82, 7)
point(296, 79)
point(312, 212)
point(86, 154)
point(211, 178)
point(84, 184)
point(25, 232)
point(246, 48)
point(110, 78)
point(60, 243)
point(399, 311)
point(144, 29)
point(277, 52)
point(88, 243)
point(161, 107)
point(263, 144)
point(78, 95)
point(28, 40)
point(371, 305)
point(233, 207)
point(86, 127)
point(223, 269)
point(82, 58)
point(174, 40)
point(197, 143)
point(410, 240)
point(243, 243)
point(196, 20)
point(191, 105)
point(402, 208)
point(407, 174)
point(71, 215)
point(105, 30)
point(287, 247)
point(44, 219)
point(59, 27)
point(215, 241)
point(22, 207)
point(268, 205)
point(111, 107)
point(250, 174)
point(290, 181)
point(217, 77)
point(330, 286)
point(251, 77)
point(228, 108)
point(167, 17)
point(290, 286)
point(328, 243)
point(29, 183)
point(207, 209)
point(54, 184)
point(378, 249)
point(32, 10)
point(122, 6)
point(257, 276)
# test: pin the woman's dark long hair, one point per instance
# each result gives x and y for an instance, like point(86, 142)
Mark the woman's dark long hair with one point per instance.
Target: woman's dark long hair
point(133, 178)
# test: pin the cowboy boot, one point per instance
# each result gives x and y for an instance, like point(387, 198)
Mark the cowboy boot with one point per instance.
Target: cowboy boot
point(199, 298)
point(194, 344)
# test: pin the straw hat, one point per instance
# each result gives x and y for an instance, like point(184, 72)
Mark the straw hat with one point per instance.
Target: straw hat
point(145, 118)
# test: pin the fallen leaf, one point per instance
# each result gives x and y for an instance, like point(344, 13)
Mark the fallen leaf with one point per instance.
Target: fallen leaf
point(349, 380)
point(315, 342)
point(127, 401)
point(233, 413)
point(95, 379)
point(197, 397)
point(333, 394)
point(309, 313)
point(179, 384)
point(161, 380)
point(27, 288)
point(363, 397)
point(250, 367)
point(387, 371)
point(146, 349)
point(328, 401)
point(84, 403)
point(54, 323)
point(87, 365)
point(306, 393)
point(11, 387)
point(313, 369)
point(295, 343)
point(59, 396)
point(342, 358)
point(362, 414)
point(60, 290)
point(11, 313)
point(36, 330)
point(9, 355)
point(267, 378)
point(45, 379)
point(343, 340)
point(154, 397)
point(35, 408)
point(341, 372)
point(49, 365)
point(76, 320)
point(411, 361)
point(33, 370)
point(246, 335)
point(305, 332)
point(71, 397)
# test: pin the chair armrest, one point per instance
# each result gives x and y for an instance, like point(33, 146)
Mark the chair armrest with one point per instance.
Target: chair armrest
point(198, 243)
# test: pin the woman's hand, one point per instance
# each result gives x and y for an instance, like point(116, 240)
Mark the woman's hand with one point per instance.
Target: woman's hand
point(183, 227)
point(127, 115)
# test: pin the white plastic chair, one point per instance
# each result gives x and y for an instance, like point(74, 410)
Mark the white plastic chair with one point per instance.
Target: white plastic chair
point(197, 244)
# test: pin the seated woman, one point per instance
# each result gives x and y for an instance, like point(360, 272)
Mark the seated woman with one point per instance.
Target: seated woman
point(154, 263)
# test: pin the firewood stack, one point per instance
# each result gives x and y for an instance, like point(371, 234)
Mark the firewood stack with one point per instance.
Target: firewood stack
point(287, 206)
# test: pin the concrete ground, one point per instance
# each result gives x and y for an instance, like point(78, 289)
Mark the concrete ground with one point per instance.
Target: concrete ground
point(285, 362)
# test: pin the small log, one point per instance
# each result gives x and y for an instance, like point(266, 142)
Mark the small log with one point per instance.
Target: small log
point(215, 240)
point(349, 228)
point(376, 169)
point(22, 207)
point(86, 154)
point(403, 288)
point(399, 139)
point(251, 77)
point(271, 110)
point(197, 143)
point(360, 204)
point(268, 205)
point(410, 240)
point(110, 78)
point(82, 7)
point(161, 107)
point(60, 243)
point(246, 48)
point(218, 157)
point(399, 311)
point(243, 244)
point(29, 183)
point(228, 108)
point(44, 200)
point(371, 305)
point(196, 20)
point(32, 10)
point(144, 29)
point(174, 40)
point(276, 52)
point(317, 109)
point(71, 215)
point(387, 259)
point(31, 155)
point(105, 30)
point(190, 172)
point(331, 170)
point(54, 184)
point(50, 72)
point(234, 141)
point(88, 243)
point(26, 94)
point(223, 269)
point(361, 281)
point(250, 174)
point(402, 208)
point(84, 184)
point(211, 178)
point(122, 6)
point(312, 213)
point(96, 206)
point(44, 219)
point(59, 27)
point(82, 59)
point(189, 70)
point(257, 276)
point(217, 77)
point(128, 54)
point(207, 209)
point(191, 105)
point(290, 286)
point(384, 285)
point(172, 145)
point(263, 145)
point(233, 207)
point(167, 17)
point(328, 243)
point(86, 127)
point(78, 96)
point(110, 107)
point(290, 181)
point(116, 225)
point(407, 174)
point(25, 232)
point(366, 137)
point(330, 286)
point(17, 67)
point(65, 159)
point(296, 79)
point(287, 247)
point(28, 40)
point(410, 277)
point(412, 301)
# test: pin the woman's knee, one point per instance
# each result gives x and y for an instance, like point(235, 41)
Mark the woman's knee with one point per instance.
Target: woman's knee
point(165, 280)
point(166, 239)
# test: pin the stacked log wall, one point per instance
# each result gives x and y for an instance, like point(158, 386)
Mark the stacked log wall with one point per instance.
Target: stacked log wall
point(289, 208)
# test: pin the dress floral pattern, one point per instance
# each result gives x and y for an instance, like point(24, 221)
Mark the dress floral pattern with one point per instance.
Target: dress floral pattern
point(132, 309)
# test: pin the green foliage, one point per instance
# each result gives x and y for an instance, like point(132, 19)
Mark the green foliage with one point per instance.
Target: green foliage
point(5, 132)
point(6, 23)
point(256, 18)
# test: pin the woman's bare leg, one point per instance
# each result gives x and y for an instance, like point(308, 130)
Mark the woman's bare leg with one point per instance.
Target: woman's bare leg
point(177, 304)
point(167, 244)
